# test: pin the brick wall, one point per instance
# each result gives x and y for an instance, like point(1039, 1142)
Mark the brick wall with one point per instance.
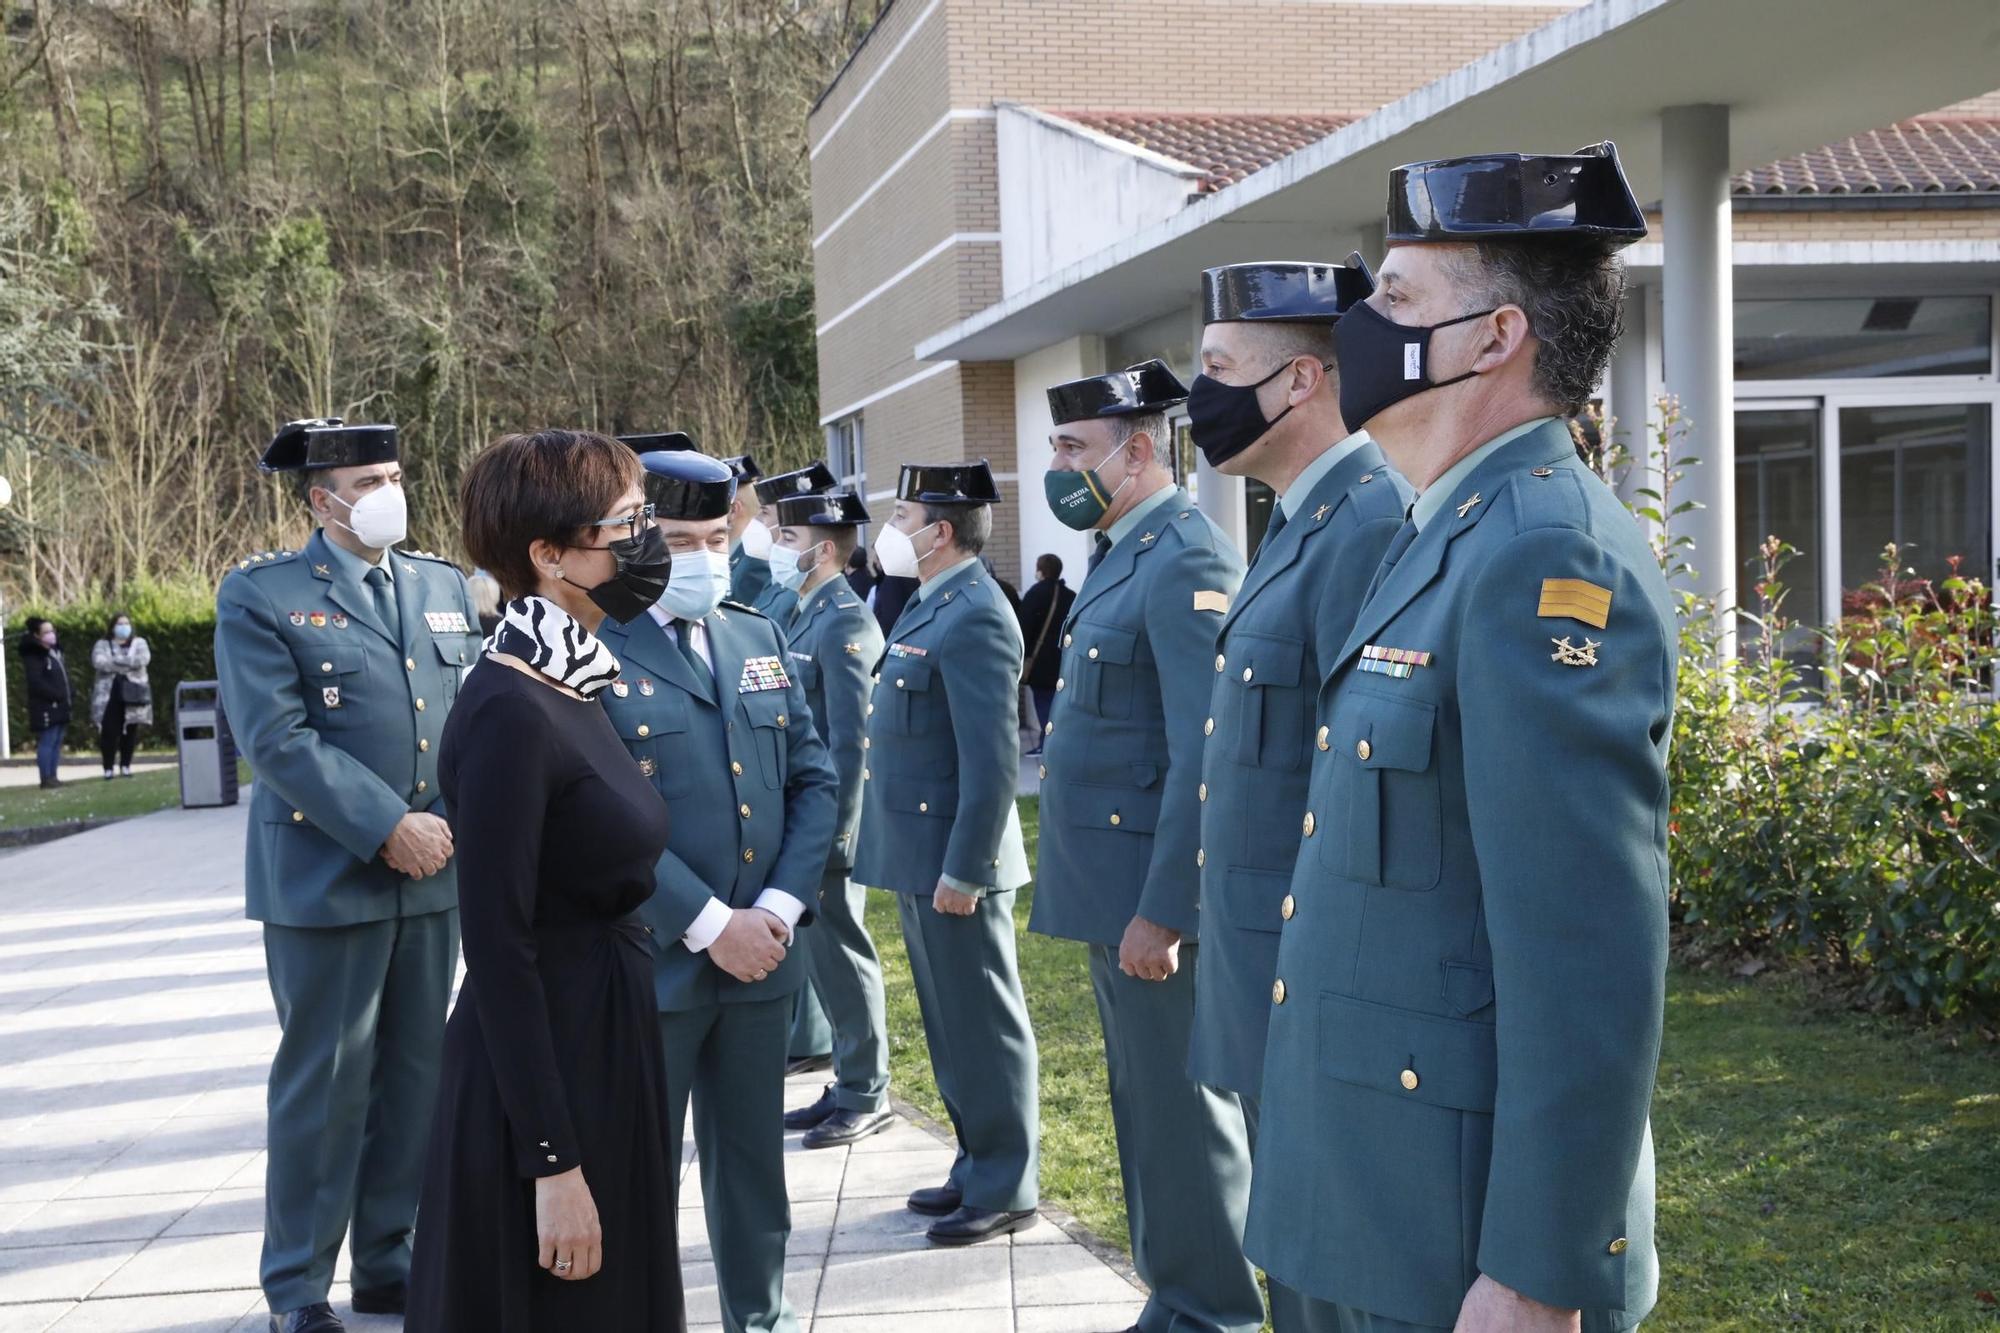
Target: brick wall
point(1858, 224)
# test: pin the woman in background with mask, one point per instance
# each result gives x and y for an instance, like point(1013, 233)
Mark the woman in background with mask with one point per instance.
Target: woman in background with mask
point(548, 1200)
point(121, 701)
point(48, 695)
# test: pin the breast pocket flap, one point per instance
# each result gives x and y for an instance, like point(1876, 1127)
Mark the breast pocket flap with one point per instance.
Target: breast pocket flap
point(1402, 1053)
point(901, 673)
point(1394, 733)
point(658, 716)
point(1269, 660)
point(1106, 643)
point(1114, 809)
point(326, 661)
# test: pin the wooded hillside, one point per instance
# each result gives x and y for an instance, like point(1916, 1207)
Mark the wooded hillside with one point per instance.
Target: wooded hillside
point(463, 216)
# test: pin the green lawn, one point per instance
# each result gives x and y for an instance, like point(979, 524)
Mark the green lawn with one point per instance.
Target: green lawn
point(94, 798)
point(1821, 1169)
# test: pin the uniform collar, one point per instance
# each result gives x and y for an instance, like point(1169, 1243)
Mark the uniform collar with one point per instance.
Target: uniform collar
point(1137, 514)
point(1301, 489)
point(1439, 491)
point(353, 565)
point(938, 580)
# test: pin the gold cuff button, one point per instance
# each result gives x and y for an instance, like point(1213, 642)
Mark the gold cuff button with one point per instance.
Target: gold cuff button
point(298, 816)
point(1115, 821)
point(1618, 1246)
point(645, 730)
point(1093, 654)
point(1310, 825)
point(1287, 907)
point(1278, 991)
point(1362, 749)
point(735, 768)
point(1409, 1080)
point(1322, 738)
point(1208, 727)
point(749, 854)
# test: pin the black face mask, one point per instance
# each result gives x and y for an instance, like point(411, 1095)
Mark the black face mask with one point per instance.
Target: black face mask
point(1226, 418)
point(643, 565)
point(1383, 362)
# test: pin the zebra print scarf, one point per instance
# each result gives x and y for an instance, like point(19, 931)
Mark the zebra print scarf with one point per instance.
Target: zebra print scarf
point(542, 634)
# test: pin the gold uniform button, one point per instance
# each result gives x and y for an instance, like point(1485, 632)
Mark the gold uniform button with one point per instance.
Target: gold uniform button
point(864, 742)
point(899, 682)
point(409, 664)
point(1409, 1080)
point(783, 720)
point(1310, 825)
point(1044, 770)
point(1048, 728)
point(749, 853)
point(1550, 472)
point(424, 745)
point(420, 705)
point(1322, 738)
point(923, 807)
point(1618, 1246)
point(1362, 749)
point(1201, 792)
point(423, 787)
point(1115, 821)
point(1208, 727)
point(1200, 857)
point(1287, 907)
point(1093, 654)
point(1278, 991)
point(1059, 684)
point(866, 775)
point(326, 666)
point(1220, 662)
point(1068, 639)
point(645, 730)
point(735, 768)
point(298, 816)
point(1246, 675)
point(871, 710)
point(743, 810)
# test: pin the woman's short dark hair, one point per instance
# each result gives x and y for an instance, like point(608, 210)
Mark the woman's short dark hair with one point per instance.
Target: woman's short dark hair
point(543, 486)
point(111, 625)
point(1048, 565)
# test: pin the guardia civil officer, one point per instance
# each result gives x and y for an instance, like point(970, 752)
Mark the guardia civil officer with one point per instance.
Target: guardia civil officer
point(338, 665)
point(939, 829)
point(833, 645)
point(1266, 406)
point(1467, 1010)
point(778, 601)
point(749, 537)
point(1119, 865)
point(709, 711)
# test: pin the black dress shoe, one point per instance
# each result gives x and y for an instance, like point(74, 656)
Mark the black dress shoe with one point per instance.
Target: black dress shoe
point(381, 1300)
point(844, 1127)
point(808, 1116)
point(969, 1226)
point(807, 1064)
point(318, 1318)
point(936, 1200)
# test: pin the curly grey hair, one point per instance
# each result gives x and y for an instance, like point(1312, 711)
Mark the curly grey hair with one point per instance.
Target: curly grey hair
point(1574, 297)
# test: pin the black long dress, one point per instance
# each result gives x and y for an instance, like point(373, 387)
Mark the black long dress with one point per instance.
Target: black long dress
point(552, 1055)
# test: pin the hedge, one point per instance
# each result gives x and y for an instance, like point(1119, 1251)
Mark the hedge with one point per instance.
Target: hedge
point(177, 623)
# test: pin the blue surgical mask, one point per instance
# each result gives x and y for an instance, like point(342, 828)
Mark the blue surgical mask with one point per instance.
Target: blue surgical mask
point(788, 569)
point(121, 632)
point(699, 582)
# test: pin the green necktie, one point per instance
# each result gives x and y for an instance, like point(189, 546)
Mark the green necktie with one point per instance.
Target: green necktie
point(683, 635)
point(379, 588)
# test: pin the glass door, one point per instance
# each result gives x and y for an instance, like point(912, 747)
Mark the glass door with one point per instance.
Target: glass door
point(1778, 494)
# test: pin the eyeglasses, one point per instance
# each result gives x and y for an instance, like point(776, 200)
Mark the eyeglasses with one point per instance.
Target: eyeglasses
point(632, 522)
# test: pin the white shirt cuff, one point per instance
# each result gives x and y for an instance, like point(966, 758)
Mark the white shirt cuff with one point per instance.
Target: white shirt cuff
point(707, 927)
point(784, 907)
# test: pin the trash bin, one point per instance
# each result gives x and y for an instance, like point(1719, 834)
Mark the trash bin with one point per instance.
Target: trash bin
point(207, 749)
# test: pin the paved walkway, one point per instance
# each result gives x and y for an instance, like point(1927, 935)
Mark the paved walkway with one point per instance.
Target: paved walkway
point(135, 1029)
point(74, 768)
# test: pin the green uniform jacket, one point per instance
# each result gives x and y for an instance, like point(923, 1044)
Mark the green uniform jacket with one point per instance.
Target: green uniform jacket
point(1470, 988)
point(944, 753)
point(749, 576)
point(1294, 611)
point(834, 645)
point(340, 719)
point(776, 603)
point(1122, 759)
point(747, 784)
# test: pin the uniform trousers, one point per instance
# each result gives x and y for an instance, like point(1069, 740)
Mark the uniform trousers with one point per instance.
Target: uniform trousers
point(847, 973)
point(362, 1012)
point(811, 1031)
point(731, 1057)
point(1183, 1155)
point(981, 1045)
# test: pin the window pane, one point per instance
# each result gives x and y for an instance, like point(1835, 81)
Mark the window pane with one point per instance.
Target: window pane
point(1882, 337)
point(1777, 495)
point(1917, 476)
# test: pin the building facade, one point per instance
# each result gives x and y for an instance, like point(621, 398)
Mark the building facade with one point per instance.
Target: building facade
point(1010, 193)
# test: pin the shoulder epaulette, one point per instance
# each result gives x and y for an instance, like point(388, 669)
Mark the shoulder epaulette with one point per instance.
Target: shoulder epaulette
point(267, 558)
point(1548, 497)
point(744, 606)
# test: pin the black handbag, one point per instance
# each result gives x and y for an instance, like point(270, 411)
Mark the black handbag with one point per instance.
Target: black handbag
point(132, 694)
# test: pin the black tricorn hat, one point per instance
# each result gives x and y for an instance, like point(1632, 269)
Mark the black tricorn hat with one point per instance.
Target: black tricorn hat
point(948, 484)
point(806, 481)
point(744, 467)
point(821, 509)
point(681, 483)
point(1147, 387)
point(660, 442)
point(1581, 196)
point(1284, 291)
point(323, 442)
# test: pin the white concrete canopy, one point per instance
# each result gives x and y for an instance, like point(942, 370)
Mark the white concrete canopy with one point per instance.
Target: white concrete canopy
point(1795, 74)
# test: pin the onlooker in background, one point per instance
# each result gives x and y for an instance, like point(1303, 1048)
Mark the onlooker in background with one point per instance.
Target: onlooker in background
point(121, 701)
point(889, 597)
point(48, 695)
point(485, 600)
point(1043, 610)
point(861, 573)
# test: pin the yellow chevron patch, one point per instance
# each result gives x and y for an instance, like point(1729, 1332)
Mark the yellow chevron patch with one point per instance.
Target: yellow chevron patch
point(1577, 599)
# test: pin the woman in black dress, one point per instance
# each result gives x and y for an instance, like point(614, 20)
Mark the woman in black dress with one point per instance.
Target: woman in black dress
point(548, 1202)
